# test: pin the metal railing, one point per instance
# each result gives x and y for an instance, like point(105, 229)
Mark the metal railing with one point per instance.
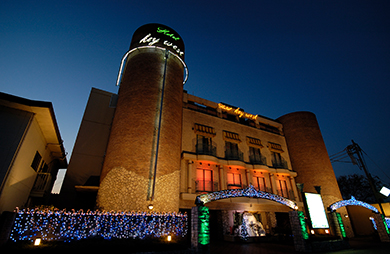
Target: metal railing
point(206, 186)
point(280, 164)
point(235, 154)
point(206, 149)
point(258, 159)
point(42, 185)
point(286, 194)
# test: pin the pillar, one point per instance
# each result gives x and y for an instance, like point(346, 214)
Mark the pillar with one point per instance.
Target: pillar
point(299, 230)
point(382, 229)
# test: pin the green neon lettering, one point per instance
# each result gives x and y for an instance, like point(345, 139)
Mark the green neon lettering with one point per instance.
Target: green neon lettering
point(166, 32)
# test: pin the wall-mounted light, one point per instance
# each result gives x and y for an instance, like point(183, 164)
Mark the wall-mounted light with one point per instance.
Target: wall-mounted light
point(37, 242)
point(150, 206)
point(169, 238)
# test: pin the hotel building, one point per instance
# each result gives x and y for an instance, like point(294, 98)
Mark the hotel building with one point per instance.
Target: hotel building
point(153, 144)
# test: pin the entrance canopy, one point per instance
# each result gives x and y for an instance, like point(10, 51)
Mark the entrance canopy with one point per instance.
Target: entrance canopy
point(333, 207)
point(250, 191)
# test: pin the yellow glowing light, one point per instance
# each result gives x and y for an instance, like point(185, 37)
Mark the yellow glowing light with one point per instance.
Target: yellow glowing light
point(169, 238)
point(150, 207)
point(37, 242)
point(237, 112)
point(312, 232)
point(327, 231)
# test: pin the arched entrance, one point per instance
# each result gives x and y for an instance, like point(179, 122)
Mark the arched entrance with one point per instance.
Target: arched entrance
point(201, 214)
point(378, 219)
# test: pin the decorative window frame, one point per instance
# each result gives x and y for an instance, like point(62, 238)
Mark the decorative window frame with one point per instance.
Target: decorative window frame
point(254, 142)
point(274, 147)
point(231, 137)
point(204, 130)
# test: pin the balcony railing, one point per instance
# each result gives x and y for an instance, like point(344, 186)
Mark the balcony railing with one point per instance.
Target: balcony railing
point(286, 193)
point(258, 159)
point(234, 155)
point(280, 164)
point(42, 185)
point(206, 149)
point(206, 186)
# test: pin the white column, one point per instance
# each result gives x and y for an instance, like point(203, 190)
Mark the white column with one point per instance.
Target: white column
point(273, 182)
point(190, 165)
point(294, 188)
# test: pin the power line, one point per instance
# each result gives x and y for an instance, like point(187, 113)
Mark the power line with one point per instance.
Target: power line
point(340, 157)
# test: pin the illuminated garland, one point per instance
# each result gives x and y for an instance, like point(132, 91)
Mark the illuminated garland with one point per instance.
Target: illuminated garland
point(373, 223)
point(250, 191)
point(302, 222)
point(341, 224)
point(204, 225)
point(66, 226)
point(333, 207)
point(386, 221)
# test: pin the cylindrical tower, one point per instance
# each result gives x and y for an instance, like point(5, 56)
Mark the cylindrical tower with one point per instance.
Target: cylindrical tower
point(142, 162)
point(310, 159)
point(308, 155)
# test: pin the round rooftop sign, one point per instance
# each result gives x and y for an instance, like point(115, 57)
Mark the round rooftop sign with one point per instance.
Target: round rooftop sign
point(160, 36)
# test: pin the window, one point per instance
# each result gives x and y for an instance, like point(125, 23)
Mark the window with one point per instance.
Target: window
point(204, 180)
point(282, 188)
point(204, 145)
point(255, 156)
point(259, 183)
point(36, 161)
point(234, 181)
point(44, 168)
point(232, 152)
point(278, 161)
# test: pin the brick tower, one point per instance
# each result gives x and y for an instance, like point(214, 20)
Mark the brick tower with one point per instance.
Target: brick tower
point(142, 162)
point(309, 157)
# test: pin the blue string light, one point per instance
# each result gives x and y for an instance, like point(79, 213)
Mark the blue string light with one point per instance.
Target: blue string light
point(250, 191)
point(67, 226)
point(333, 207)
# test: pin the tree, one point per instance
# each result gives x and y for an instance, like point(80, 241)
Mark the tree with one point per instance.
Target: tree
point(359, 187)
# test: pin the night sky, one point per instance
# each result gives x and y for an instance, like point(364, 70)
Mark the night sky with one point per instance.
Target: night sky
point(267, 57)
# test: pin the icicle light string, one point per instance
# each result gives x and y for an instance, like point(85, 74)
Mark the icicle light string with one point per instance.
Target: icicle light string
point(67, 226)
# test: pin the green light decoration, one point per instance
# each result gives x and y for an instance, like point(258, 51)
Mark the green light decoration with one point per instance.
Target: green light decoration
point(204, 225)
point(341, 224)
point(384, 222)
point(302, 221)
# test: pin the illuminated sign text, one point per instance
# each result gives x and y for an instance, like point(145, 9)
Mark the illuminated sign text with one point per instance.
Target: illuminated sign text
point(166, 32)
point(237, 112)
point(150, 40)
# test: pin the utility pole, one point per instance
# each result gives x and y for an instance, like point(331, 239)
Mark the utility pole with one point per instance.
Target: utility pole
point(353, 150)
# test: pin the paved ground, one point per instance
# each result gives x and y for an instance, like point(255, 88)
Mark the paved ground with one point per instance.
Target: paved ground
point(358, 246)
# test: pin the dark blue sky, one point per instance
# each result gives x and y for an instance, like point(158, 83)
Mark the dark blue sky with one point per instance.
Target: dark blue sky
point(267, 57)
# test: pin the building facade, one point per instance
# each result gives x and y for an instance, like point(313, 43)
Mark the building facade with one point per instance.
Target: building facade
point(31, 152)
point(154, 146)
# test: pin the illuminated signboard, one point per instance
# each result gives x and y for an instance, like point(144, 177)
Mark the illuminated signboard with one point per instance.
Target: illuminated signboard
point(316, 210)
point(236, 111)
point(158, 35)
point(385, 191)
